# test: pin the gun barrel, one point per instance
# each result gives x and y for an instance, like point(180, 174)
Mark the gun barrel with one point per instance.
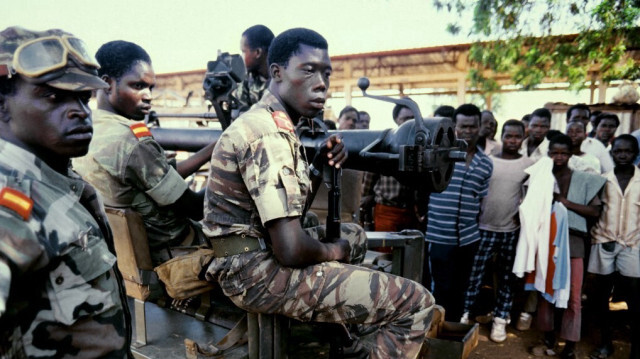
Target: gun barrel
point(185, 139)
point(204, 115)
point(194, 139)
point(389, 152)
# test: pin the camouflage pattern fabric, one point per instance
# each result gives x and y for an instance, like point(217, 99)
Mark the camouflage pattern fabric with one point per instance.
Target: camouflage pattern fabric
point(12, 37)
point(70, 78)
point(134, 173)
point(65, 298)
point(251, 90)
point(258, 174)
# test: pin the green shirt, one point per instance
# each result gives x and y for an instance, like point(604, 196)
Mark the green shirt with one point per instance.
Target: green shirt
point(251, 90)
point(257, 173)
point(132, 172)
point(64, 300)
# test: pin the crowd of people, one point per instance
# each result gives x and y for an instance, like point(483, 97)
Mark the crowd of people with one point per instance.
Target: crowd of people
point(61, 293)
point(543, 208)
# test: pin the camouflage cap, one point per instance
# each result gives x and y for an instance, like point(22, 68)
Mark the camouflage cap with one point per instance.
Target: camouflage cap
point(71, 77)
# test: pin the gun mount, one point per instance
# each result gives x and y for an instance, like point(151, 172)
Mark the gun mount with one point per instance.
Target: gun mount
point(420, 152)
point(220, 80)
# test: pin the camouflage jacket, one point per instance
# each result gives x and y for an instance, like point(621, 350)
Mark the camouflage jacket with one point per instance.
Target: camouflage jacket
point(251, 90)
point(131, 171)
point(257, 173)
point(62, 296)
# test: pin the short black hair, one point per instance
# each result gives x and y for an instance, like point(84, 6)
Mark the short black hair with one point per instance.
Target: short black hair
point(560, 138)
point(349, 109)
point(288, 43)
point(330, 124)
point(489, 112)
point(468, 110)
point(398, 107)
point(627, 137)
point(604, 115)
point(258, 36)
point(542, 113)
point(595, 113)
point(512, 123)
point(526, 118)
point(578, 106)
point(360, 113)
point(116, 58)
point(552, 134)
point(444, 111)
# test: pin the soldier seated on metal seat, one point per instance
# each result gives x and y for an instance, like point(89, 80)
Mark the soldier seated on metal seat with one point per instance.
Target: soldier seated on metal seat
point(61, 294)
point(265, 261)
point(128, 167)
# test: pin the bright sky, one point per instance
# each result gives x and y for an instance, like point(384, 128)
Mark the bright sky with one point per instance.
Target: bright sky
point(184, 35)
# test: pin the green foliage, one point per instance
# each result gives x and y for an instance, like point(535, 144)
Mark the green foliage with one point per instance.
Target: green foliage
point(520, 38)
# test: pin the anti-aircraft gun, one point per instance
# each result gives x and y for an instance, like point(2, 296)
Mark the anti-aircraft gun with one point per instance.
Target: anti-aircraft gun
point(419, 153)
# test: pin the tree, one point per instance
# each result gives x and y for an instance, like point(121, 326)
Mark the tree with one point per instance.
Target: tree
point(520, 38)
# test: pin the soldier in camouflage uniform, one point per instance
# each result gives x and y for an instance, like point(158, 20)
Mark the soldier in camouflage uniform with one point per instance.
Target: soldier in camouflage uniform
point(125, 163)
point(265, 262)
point(60, 292)
point(254, 45)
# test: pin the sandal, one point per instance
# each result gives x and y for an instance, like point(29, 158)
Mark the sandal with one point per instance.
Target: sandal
point(602, 352)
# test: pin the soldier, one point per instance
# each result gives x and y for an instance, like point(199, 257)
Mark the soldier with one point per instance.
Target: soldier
point(254, 45)
point(60, 292)
point(128, 167)
point(265, 262)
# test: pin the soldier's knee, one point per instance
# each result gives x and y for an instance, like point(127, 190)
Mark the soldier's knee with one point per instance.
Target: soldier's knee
point(353, 233)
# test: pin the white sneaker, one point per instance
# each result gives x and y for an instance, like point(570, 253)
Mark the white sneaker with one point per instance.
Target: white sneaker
point(498, 330)
point(465, 318)
point(524, 322)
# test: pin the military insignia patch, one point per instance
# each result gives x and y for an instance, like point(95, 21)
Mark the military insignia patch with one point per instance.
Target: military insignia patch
point(16, 201)
point(140, 130)
point(282, 120)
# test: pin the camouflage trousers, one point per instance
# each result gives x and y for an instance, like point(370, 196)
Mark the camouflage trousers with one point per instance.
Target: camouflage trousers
point(397, 310)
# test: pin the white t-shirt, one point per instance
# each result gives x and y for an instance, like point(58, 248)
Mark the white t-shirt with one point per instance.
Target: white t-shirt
point(597, 149)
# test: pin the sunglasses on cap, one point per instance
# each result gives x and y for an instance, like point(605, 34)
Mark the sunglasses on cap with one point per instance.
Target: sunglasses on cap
point(47, 54)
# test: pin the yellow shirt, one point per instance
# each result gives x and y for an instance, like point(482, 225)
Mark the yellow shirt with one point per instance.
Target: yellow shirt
point(620, 217)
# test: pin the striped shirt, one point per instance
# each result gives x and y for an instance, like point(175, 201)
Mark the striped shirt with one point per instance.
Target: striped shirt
point(453, 214)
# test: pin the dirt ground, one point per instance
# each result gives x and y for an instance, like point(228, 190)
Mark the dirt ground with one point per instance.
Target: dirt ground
point(518, 343)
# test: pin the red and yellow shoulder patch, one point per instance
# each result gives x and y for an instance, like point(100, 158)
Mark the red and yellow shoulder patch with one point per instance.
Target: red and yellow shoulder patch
point(16, 201)
point(140, 130)
point(282, 120)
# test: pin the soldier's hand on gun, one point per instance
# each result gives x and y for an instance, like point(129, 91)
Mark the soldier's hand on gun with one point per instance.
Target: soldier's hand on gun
point(334, 151)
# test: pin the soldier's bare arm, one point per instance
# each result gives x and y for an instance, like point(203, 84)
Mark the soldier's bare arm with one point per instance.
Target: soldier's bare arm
point(192, 164)
point(294, 248)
